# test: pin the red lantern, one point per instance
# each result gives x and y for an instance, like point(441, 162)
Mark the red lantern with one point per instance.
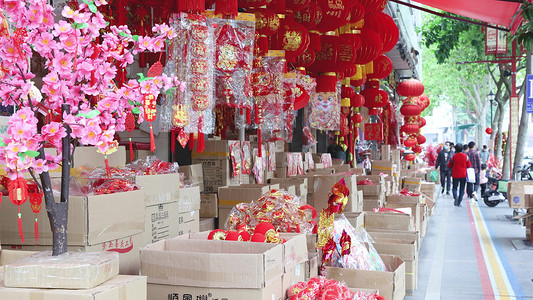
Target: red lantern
point(344, 128)
point(410, 128)
point(348, 45)
point(291, 37)
point(421, 122)
point(253, 3)
point(347, 92)
point(326, 58)
point(373, 6)
point(297, 5)
point(357, 12)
point(424, 100)
point(417, 149)
point(374, 97)
point(410, 157)
point(310, 16)
point(410, 142)
point(382, 68)
point(488, 130)
point(371, 47)
point(410, 88)
point(410, 107)
point(306, 59)
point(384, 25)
point(350, 71)
point(357, 118)
point(421, 139)
point(357, 83)
point(266, 21)
point(18, 194)
point(357, 100)
point(334, 14)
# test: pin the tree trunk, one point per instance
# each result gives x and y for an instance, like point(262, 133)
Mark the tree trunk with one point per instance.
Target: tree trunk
point(524, 122)
point(506, 162)
point(499, 124)
point(58, 211)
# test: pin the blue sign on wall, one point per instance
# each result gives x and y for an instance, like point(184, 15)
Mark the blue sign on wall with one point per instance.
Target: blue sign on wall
point(529, 93)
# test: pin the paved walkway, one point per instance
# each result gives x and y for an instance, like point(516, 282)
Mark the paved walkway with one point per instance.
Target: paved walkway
point(474, 252)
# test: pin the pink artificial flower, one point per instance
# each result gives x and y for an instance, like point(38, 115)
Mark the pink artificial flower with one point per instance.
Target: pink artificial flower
point(91, 135)
point(33, 143)
point(109, 104)
point(44, 43)
point(147, 87)
point(21, 131)
point(39, 166)
point(69, 42)
point(62, 62)
point(67, 12)
point(158, 82)
point(98, 21)
point(62, 27)
point(16, 147)
point(108, 71)
point(146, 43)
point(158, 44)
point(85, 69)
point(13, 6)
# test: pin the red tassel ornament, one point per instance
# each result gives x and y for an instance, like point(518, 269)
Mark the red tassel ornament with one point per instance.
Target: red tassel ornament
point(18, 194)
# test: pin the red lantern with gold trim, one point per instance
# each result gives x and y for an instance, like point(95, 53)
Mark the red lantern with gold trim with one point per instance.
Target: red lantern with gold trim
point(326, 58)
point(410, 128)
point(385, 27)
point(306, 59)
point(424, 99)
point(410, 142)
point(357, 12)
point(410, 88)
point(357, 118)
point(417, 149)
point(382, 68)
point(310, 16)
point(421, 122)
point(373, 6)
point(371, 47)
point(334, 14)
point(267, 22)
point(18, 194)
point(410, 157)
point(411, 107)
point(297, 5)
point(421, 139)
point(374, 97)
point(291, 37)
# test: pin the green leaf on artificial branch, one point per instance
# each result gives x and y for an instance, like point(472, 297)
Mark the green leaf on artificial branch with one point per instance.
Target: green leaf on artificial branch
point(135, 38)
point(136, 110)
point(169, 91)
point(80, 25)
point(22, 156)
point(93, 114)
point(87, 2)
point(122, 33)
point(31, 153)
point(93, 8)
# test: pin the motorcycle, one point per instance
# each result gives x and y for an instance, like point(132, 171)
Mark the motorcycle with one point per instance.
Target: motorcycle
point(496, 191)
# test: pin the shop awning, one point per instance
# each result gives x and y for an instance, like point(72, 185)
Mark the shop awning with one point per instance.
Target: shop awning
point(491, 11)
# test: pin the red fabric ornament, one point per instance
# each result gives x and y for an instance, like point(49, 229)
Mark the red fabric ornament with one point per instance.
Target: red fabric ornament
point(217, 234)
point(297, 5)
point(326, 58)
point(267, 22)
point(357, 118)
point(227, 8)
point(417, 149)
point(350, 71)
point(375, 97)
point(347, 92)
point(410, 157)
point(374, 131)
point(410, 107)
point(424, 99)
point(421, 139)
point(359, 82)
point(357, 13)
point(410, 88)
point(150, 114)
point(382, 68)
point(334, 14)
point(373, 6)
point(384, 25)
point(258, 238)
point(233, 236)
point(326, 83)
point(18, 194)
point(130, 126)
point(348, 45)
point(291, 37)
point(422, 122)
point(36, 198)
point(344, 128)
point(315, 41)
point(410, 142)
point(305, 60)
point(410, 128)
point(371, 48)
point(310, 16)
point(488, 130)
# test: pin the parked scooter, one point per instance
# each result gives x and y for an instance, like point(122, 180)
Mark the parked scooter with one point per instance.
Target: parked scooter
point(496, 191)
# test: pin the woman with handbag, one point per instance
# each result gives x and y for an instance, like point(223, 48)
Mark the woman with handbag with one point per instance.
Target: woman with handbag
point(459, 163)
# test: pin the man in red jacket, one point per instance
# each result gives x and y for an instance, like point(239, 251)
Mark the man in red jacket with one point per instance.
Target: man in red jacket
point(459, 163)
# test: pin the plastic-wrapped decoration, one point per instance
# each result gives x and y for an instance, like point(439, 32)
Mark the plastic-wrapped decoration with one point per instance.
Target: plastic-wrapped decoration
point(234, 42)
point(325, 110)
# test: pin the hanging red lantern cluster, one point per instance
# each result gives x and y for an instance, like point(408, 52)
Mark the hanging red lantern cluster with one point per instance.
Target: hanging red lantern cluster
point(412, 106)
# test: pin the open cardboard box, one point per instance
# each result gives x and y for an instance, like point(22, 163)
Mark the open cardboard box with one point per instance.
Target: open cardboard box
point(385, 220)
point(391, 284)
point(212, 264)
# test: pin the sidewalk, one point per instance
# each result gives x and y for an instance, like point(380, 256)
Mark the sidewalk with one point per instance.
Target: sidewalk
point(468, 253)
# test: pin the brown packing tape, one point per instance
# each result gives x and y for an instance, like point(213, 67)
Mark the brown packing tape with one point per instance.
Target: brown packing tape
point(382, 168)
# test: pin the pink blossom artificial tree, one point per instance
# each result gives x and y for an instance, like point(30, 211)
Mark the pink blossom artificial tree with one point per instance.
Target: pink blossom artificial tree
point(81, 99)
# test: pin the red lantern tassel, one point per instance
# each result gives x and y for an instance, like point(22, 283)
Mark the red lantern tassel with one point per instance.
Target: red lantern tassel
point(21, 232)
point(227, 8)
point(131, 149)
point(173, 142)
point(152, 139)
point(248, 116)
point(260, 142)
point(107, 168)
point(200, 146)
point(191, 141)
point(36, 229)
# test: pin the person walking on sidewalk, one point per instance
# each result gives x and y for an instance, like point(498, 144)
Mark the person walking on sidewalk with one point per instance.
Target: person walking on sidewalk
point(475, 160)
point(484, 154)
point(483, 179)
point(445, 174)
point(459, 163)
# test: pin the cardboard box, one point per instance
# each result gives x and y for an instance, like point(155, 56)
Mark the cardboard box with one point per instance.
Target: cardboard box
point(299, 182)
point(357, 219)
point(119, 288)
point(382, 166)
point(189, 199)
point(127, 248)
point(74, 271)
point(289, 188)
point(385, 151)
point(137, 154)
point(412, 184)
point(231, 196)
point(312, 266)
point(404, 199)
point(517, 191)
point(217, 173)
point(160, 222)
point(385, 220)
point(322, 188)
point(9, 256)
point(89, 157)
point(161, 188)
point(215, 149)
point(212, 264)
point(370, 203)
point(208, 205)
point(294, 275)
point(166, 292)
point(371, 189)
point(396, 234)
point(207, 224)
point(407, 250)
point(91, 220)
point(188, 222)
point(415, 210)
point(194, 174)
point(391, 284)
point(428, 189)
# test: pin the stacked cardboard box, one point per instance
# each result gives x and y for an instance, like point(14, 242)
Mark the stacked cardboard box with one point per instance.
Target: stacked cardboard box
point(196, 266)
point(428, 189)
point(382, 167)
point(520, 195)
point(417, 209)
point(322, 185)
point(412, 184)
point(373, 194)
point(193, 175)
point(217, 166)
